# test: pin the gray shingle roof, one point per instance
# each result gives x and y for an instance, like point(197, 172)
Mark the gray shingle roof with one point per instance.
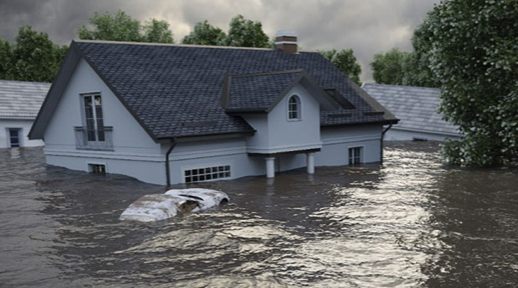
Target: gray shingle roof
point(257, 91)
point(21, 99)
point(416, 107)
point(165, 86)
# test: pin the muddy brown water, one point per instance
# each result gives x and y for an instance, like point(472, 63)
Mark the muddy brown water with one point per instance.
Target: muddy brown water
point(411, 222)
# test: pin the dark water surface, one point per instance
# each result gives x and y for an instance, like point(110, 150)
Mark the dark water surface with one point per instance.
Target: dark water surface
point(410, 223)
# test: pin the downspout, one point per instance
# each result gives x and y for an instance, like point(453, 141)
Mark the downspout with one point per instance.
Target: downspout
point(381, 142)
point(167, 169)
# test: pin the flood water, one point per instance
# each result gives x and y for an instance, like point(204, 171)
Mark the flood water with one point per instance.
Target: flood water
point(411, 222)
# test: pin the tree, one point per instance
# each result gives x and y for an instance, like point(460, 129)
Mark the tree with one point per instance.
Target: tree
point(205, 34)
point(417, 65)
point(121, 27)
point(246, 33)
point(156, 31)
point(6, 50)
point(473, 54)
point(346, 62)
point(34, 57)
point(389, 68)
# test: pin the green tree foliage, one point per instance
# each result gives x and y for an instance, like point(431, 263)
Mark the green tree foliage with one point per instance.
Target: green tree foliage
point(403, 68)
point(34, 57)
point(417, 65)
point(346, 62)
point(475, 57)
point(389, 68)
point(156, 31)
point(121, 27)
point(6, 50)
point(205, 34)
point(246, 33)
point(241, 33)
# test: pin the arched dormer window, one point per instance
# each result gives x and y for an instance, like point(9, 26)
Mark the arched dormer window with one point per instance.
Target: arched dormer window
point(294, 108)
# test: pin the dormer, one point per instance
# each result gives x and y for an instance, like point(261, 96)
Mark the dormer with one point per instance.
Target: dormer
point(282, 106)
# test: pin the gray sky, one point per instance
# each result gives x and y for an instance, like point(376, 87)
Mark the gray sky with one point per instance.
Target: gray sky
point(366, 26)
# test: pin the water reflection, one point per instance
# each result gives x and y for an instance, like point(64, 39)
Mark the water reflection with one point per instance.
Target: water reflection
point(410, 222)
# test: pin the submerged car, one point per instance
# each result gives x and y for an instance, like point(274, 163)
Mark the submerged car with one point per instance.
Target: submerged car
point(155, 207)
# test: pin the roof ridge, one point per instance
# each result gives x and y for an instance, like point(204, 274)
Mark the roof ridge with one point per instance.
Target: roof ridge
point(21, 81)
point(266, 73)
point(397, 85)
point(180, 45)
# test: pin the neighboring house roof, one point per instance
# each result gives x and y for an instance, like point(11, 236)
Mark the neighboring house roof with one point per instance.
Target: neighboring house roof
point(21, 100)
point(416, 107)
point(169, 87)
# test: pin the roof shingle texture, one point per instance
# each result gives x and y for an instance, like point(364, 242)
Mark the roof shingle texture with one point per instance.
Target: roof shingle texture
point(416, 107)
point(258, 92)
point(21, 99)
point(168, 85)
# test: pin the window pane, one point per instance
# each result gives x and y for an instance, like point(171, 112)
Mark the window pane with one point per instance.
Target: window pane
point(14, 137)
point(98, 112)
point(90, 129)
point(100, 130)
point(293, 107)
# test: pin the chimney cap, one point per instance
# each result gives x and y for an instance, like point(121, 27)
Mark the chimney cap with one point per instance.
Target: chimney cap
point(286, 33)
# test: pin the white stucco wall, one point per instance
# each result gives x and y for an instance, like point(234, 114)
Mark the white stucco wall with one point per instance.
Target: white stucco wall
point(395, 134)
point(338, 140)
point(135, 153)
point(203, 154)
point(24, 126)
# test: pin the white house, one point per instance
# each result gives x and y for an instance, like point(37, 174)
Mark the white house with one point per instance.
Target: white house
point(19, 105)
point(169, 114)
point(416, 107)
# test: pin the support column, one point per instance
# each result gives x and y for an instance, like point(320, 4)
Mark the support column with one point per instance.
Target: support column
point(270, 167)
point(310, 157)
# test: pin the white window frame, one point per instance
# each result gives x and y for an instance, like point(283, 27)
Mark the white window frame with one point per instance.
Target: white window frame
point(362, 149)
point(83, 113)
point(221, 175)
point(298, 108)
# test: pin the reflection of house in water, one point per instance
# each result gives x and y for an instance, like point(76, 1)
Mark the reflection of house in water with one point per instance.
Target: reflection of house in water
point(169, 114)
point(416, 107)
point(19, 105)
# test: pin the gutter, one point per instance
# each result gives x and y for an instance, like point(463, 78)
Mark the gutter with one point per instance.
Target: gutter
point(381, 142)
point(167, 168)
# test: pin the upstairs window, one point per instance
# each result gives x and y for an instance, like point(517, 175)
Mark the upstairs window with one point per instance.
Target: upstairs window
point(94, 117)
point(294, 108)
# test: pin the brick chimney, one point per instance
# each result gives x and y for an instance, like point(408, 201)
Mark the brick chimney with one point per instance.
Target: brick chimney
point(286, 41)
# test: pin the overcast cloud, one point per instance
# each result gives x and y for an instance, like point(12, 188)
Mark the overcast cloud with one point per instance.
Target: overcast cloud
point(366, 26)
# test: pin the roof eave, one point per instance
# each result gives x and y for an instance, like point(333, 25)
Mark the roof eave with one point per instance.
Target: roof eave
point(383, 122)
point(162, 138)
point(58, 86)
